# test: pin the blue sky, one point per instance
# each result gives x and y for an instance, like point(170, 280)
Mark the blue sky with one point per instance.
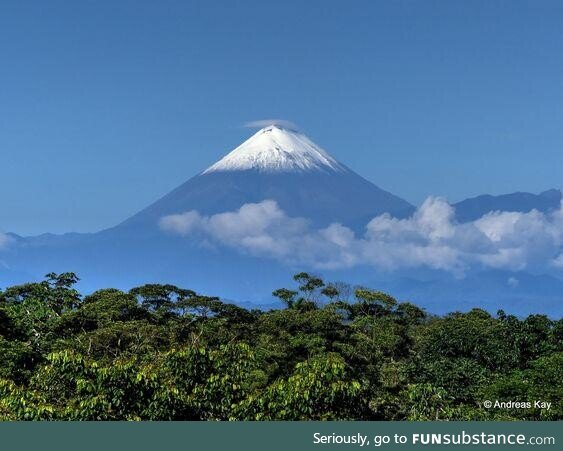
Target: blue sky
point(105, 106)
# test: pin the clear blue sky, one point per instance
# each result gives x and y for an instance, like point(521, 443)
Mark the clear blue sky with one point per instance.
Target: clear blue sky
point(107, 105)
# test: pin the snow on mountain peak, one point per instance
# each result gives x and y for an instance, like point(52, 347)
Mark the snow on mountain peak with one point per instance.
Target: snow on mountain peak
point(277, 149)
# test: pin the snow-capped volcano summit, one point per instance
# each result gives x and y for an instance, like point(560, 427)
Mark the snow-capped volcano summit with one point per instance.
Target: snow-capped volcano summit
point(277, 149)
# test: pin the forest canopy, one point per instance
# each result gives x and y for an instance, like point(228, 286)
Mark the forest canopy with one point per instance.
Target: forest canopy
point(161, 352)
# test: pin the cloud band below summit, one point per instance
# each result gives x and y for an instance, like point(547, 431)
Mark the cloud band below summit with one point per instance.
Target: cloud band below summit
point(430, 238)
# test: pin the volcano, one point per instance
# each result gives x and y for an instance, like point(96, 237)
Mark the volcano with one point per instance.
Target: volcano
point(275, 164)
point(281, 169)
point(283, 165)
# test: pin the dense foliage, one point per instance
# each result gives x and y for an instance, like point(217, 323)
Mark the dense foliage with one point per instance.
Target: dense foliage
point(159, 352)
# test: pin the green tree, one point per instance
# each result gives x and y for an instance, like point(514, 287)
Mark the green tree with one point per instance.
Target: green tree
point(319, 389)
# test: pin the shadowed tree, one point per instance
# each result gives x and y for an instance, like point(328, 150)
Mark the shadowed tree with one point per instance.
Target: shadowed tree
point(286, 296)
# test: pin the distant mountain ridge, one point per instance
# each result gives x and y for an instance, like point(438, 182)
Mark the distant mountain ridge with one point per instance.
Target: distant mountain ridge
point(475, 207)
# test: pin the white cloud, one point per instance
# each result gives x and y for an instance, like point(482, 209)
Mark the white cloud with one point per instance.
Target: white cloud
point(558, 261)
point(266, 122)
point(4, 240)
point(182, 224)
point(259, 228)
point(429, 238)
point(513, 282)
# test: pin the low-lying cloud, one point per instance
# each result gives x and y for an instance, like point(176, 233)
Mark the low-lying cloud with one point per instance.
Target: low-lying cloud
point(430, 238)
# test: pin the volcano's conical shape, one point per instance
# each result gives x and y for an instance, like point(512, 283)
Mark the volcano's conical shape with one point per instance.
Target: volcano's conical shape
point(283, 165)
